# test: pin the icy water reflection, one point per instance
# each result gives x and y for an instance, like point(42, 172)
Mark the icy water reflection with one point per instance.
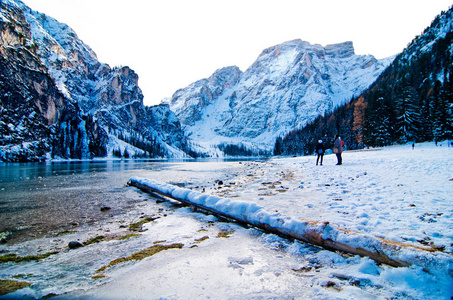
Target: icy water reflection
point(42, 198)
point(38, 199)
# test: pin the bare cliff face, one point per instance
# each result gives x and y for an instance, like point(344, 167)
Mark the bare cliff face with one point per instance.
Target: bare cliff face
point(31, 104)
point(22, 65)
point(56, 94)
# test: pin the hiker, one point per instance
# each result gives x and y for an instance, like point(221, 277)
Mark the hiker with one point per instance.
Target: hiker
point(338, 148)
point(320, 150)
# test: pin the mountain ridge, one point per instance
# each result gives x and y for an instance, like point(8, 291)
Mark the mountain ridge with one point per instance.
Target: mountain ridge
point(287, 86)
point(84, 108)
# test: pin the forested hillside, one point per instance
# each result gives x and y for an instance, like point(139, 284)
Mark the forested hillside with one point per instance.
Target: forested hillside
point(411, 101)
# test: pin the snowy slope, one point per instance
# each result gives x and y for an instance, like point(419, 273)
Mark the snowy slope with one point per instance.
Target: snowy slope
point(287, 86)
point(440, 27)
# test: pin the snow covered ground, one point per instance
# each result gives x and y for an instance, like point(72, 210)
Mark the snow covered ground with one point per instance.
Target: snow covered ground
point(396, 193)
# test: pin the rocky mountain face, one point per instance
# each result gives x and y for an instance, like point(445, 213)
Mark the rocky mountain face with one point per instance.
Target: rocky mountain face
point(287, 86)
point(58, 100)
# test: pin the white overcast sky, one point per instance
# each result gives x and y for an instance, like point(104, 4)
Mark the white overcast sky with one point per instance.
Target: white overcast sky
point(172, 43)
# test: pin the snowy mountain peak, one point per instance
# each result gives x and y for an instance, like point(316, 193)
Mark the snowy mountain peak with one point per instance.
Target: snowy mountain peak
point(287, 86)
point(341, 50)
point(188, 103)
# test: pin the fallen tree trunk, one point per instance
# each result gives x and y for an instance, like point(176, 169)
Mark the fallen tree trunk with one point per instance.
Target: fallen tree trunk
point(317, 233)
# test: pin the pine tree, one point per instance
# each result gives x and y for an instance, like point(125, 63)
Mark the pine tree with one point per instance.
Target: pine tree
point(448, 104)
point(408, 115)
point(442, 112)
point(378, 129)
point(278, 148)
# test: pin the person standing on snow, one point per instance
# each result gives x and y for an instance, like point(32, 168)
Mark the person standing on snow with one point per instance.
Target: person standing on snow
point(338, 148)
point(320, 150)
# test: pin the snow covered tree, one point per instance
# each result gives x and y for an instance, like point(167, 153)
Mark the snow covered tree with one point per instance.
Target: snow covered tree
point(426, 121)
point(442, 112)
point(408, 115)
point(378, 129)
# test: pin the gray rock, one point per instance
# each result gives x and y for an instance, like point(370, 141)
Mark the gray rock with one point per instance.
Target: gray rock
point(74, 245)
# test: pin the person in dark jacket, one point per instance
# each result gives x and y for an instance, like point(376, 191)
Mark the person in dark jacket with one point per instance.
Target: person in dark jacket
point(320, 150)
point(338, 148)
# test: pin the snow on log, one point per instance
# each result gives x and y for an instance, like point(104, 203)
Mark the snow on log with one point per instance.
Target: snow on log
point(317, 233)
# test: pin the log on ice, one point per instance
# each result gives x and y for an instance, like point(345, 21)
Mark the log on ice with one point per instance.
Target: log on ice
point(320, 234)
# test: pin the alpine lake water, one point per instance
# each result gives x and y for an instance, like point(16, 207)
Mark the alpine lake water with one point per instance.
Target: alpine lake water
point(40, 199)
